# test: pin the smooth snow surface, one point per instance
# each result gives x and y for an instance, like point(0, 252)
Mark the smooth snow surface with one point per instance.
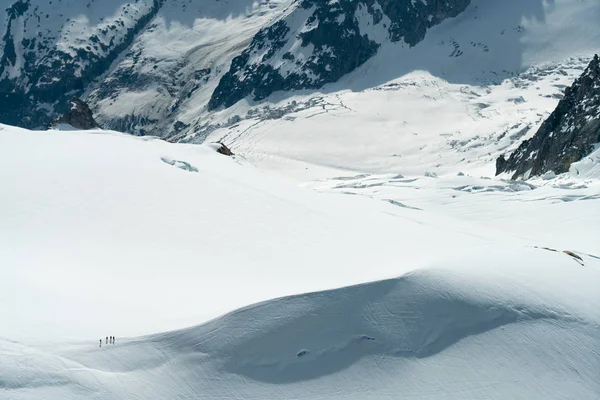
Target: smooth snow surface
point(471, 294)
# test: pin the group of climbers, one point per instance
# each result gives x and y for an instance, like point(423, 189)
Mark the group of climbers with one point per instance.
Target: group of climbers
point(109, 340)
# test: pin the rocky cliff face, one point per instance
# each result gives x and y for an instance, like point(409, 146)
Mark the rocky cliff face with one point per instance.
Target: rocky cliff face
point(568, 135)
point(322, 40)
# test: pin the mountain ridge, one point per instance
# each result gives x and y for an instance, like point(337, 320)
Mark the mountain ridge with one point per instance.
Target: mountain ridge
point(41, 72)
point(568, 135)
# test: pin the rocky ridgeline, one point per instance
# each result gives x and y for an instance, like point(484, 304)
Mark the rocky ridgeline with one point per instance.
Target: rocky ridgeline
point(568, 135)
point(322, 40)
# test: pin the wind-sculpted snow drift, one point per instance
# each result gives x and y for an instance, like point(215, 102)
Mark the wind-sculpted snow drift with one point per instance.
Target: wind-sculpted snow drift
point(432, 334)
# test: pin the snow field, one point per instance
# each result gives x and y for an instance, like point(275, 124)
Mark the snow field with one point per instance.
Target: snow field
point(134, 236)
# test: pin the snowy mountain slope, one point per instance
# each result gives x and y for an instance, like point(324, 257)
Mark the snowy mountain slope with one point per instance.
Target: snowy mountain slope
point(50, 51)
point(472, 293)
point(455, 107)
point(371, 355)
point(321, 41)
point(53, 51)
point(162, 82)
point(168, 74)
point(474, 336)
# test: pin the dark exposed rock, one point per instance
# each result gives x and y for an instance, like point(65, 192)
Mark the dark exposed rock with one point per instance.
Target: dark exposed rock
point(79, 116)
point(568, 135)
point(321, 41)
point(500, 164)
point(224, 150)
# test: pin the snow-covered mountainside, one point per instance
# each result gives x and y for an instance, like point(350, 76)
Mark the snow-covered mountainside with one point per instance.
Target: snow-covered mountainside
point(477, 289)
point(444, 106)
point(321, 41)
point(179, 47)
point(154, 67)
point(569, 134)
point(50, 51)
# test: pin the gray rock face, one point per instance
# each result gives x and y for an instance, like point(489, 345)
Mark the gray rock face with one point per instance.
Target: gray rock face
point(568, 135)
point(79, 116)
point(322, 40)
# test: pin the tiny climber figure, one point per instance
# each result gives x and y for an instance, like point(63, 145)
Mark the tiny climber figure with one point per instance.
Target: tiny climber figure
point(106, 340)
point(100, 343)
point(113, 340)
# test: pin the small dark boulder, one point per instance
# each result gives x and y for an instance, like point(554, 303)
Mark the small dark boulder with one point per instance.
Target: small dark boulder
point(79, 116)
point(302, 353)
point(222, 149)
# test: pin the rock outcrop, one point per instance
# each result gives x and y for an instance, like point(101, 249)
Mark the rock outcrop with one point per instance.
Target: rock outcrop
point(223, 149)
point(79, 116)
point(568, 135)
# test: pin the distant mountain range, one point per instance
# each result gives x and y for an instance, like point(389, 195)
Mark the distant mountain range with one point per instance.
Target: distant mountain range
point(182, 70)
point(100, 49)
